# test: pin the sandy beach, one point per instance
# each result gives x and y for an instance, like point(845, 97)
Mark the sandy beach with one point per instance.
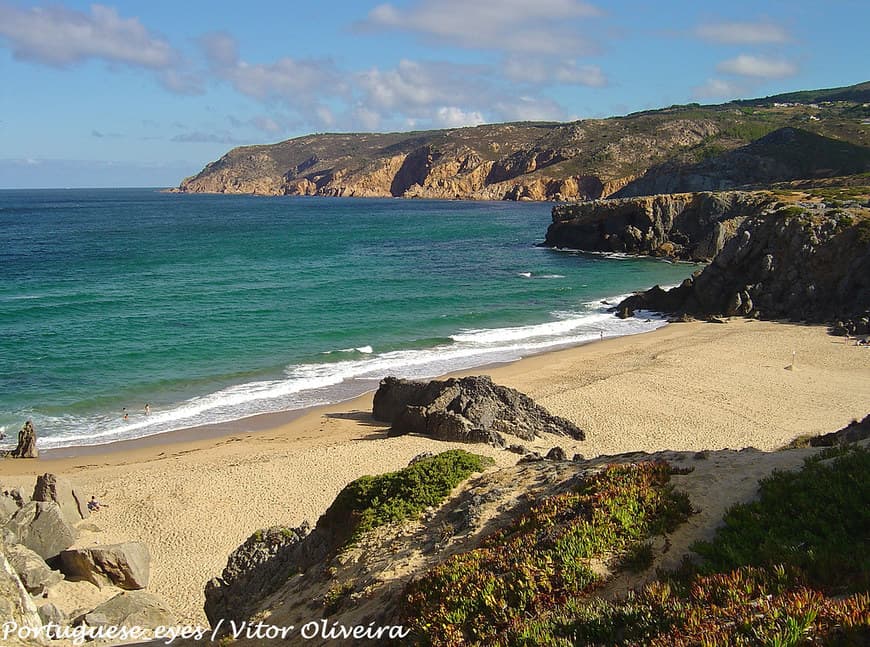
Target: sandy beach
point(684, 387)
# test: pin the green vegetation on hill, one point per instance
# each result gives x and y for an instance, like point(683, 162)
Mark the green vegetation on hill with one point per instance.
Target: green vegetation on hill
point(790, 569)
point(498, 593)
point(373, 501)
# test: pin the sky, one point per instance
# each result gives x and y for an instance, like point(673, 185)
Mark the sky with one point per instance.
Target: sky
point(146, 93)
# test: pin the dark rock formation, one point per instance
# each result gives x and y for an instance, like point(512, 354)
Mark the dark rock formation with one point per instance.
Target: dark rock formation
point(51, 488)
point(26, 442)
point(556, 454)
point(689, 226)
point(129, 609)
point(851, 433)
point(468, 409)
point(795, 263)
point(34, 573)
point(41, 527)
point(127, 565)
point(258, 568)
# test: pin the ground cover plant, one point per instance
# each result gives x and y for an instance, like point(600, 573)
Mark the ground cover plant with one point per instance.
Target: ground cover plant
point(788, 569)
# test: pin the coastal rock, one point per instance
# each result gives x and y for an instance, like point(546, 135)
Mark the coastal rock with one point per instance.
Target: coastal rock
point(8, 505)
point(468, 409)
point(259, 567)
point(689, 226)
point(851, 433)
point(802, 264)
point(556, 454)
point(17, 606)
point(34, 573)
point(52, 488)
point(130, 609)
point(49, 613)
point(26, 447)
point(126, 565)
point(41, 527)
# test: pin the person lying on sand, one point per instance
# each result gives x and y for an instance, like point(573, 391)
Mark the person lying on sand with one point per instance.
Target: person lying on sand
point(94, 505)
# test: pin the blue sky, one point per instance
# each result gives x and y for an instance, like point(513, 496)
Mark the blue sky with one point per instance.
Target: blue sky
point(145, 93)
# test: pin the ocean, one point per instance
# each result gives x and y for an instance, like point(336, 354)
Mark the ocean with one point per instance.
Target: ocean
point(211, 308)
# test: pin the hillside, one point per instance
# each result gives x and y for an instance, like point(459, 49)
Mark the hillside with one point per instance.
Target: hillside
point(680, 148)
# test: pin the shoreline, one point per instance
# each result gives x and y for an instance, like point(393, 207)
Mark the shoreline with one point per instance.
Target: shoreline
point(684, 387)
point(270, 420)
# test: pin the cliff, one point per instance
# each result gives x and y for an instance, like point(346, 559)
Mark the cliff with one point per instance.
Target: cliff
point(681, 148)
point(806, 262)
point(689, 226)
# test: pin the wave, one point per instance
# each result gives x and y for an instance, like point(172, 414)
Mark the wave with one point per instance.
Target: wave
point(313, 384)
point(532, 275)
point(366, 350)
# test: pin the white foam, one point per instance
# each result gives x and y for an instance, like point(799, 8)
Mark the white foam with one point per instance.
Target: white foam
point(317, 383)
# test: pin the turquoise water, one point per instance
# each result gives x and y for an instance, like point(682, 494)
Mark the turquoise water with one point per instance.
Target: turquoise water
point(212, 308)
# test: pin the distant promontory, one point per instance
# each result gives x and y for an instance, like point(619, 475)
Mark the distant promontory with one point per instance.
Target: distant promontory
point(811, 134)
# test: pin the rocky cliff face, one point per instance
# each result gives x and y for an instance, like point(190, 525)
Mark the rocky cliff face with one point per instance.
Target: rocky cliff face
point(679, 148)
point(690, 226)
point(784, 154)
point(805, 263)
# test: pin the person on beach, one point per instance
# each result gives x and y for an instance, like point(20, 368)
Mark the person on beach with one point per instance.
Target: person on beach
point(93, 504)
point(126, 417)
point(147, 409)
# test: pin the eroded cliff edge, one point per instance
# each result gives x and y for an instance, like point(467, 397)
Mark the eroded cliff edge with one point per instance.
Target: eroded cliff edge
point(776, 254)
point(680, 148)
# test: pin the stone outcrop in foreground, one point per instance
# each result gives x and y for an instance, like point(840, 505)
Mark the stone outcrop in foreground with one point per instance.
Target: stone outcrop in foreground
point(795, 263)
point(468, 409)
point(687, 226)
point(127, 565)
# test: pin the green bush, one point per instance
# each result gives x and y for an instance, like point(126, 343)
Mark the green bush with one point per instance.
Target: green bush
point(372, 501)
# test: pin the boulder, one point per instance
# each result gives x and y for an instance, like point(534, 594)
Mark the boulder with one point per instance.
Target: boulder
point(26, 447)
point(34, 573)
point(49, 613)
point(129, 609)
point(41, 527)
point(8, 505)
point(17, 606)
point(468, 409)
point(556, 454)
point(52, 488)
point(125, 565)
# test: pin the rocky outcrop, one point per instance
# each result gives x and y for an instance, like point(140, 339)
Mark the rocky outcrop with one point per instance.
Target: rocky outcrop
point(258, 568)
point(26, 447)
point(127, 565)
point(468, 409)
point(41, 527)
point(129, 609)
point(690, 226)
point(35, 575)
point(804, 263)
point(52, 488)
point(16, 606)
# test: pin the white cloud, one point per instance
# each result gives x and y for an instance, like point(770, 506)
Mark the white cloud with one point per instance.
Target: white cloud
point(293, 81)
point(453, 117)
point(527, 108)
point(544, 26)
point(742, 33)
point(542, 71)
point(59, 36)
point(757, 66)
point(719, 89)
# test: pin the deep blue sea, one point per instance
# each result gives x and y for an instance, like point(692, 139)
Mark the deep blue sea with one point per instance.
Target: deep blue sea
point(211, 308)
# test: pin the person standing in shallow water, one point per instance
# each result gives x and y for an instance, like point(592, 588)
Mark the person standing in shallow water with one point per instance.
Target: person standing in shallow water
point(147, 409)
point(126, 417)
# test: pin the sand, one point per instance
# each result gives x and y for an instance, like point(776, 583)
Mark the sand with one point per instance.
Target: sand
point(684, 387)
